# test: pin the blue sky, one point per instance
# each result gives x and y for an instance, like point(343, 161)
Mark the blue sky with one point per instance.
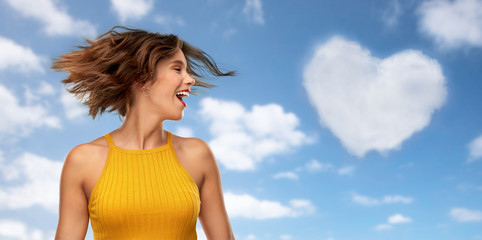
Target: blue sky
point(347, 120)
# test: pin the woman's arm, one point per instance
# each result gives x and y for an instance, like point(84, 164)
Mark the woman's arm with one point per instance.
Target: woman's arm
point(73, 213)
point(213, 216)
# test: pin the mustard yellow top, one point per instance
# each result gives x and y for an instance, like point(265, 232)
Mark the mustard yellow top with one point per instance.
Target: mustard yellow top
point(144, 194)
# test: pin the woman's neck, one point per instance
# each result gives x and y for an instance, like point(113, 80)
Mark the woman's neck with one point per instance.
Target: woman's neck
point(140, 131)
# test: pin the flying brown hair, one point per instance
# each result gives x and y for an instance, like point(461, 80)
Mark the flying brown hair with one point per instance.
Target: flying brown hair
point(102, 73)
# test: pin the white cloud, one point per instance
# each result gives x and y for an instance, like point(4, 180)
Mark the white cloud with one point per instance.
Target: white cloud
point(397, 199)
point(287, 175)
point(169, 20)
point(55, 18)
point(18, 120)
point(244, 138)
point(347, 170)
point(468, 186)
point(466, 215)
point(371, 103)
point(34, 95)
point(254, 11)
point(392, 13)
point(184, 131)
point(15, 230)
point(247, 206)
point(475, 149)
point(202, 236)
point(131, 9)
point(228, 33)
point(394, 219)
point(316, 166)
point(45, 89)
point(408, 165)
point(200, 233)
point(72, 107)
point(250, 237)
point(17, 57)
point(389, 199)
point(40, 185)
point(364, 200)
point(285, 237)
point(384, 226)
point(398, 218)
point(452, 23)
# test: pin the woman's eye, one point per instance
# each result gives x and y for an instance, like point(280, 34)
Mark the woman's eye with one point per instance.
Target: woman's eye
point(177, 69)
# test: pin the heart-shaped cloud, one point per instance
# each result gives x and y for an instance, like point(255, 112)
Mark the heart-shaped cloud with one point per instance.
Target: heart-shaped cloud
point(371, 103)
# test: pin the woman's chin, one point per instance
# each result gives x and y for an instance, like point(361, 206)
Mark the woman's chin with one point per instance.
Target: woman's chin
point(178, 118)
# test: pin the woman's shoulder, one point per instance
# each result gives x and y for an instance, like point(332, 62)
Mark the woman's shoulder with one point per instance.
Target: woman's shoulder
point(191, 146)
point(88, 151)
point(190, 141)
point(83, 160)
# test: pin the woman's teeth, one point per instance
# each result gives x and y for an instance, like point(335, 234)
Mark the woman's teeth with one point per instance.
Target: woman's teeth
point(182, 94)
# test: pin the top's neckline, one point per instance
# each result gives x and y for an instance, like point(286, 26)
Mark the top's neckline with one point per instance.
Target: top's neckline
point(111, 143)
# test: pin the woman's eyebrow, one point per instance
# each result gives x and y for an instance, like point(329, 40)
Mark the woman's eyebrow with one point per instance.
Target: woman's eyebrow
point(177, 61)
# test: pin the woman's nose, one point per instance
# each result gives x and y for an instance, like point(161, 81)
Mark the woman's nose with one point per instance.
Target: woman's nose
point(190, 80)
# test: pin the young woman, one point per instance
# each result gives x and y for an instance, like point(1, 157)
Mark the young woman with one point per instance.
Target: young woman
point(139, 181)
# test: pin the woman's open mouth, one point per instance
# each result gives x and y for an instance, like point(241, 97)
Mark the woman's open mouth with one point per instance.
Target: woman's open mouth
point(181, 94)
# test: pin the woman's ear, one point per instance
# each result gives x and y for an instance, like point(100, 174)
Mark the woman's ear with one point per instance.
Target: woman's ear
point(141, 84)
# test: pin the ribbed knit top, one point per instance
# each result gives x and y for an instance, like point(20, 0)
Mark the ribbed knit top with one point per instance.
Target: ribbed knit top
point(144, 194)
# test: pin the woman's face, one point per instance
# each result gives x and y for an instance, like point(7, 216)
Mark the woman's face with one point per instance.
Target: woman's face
point(171, 84)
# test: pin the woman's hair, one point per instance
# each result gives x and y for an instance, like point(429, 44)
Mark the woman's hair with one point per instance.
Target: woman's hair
point(102, 73)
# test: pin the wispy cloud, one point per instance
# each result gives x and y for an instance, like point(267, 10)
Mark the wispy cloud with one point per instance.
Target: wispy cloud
point(285, 237)
point(228, 33)
point(383, 226)
point(242, 138)
point(72, 107)
point(466, 215)
point(379, 103)
point(391, 15)
point(287, 175)
point(250, 237)
point(475, 149)
point(200, 233)
point(38, 179)
point(316, 166)
point(452, 24)
point(36, 95)
point(253, 9)
point(54, 17)
point(169, 21)
point(14, 56)
point(468, 186)
point(184, 131)
point(399, 218)
point(389, 199)
point(346, 170)
point(18, 120)
point(16, 230)
point(45, 89)
point(407, 165)
point(247, 206)
point(392, 220)
point(131, 9)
